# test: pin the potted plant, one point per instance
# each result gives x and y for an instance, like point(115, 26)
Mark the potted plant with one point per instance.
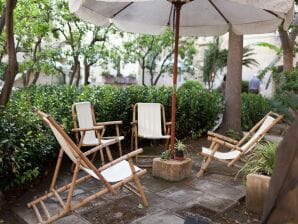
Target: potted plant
point(258, 170)
point(180, 150)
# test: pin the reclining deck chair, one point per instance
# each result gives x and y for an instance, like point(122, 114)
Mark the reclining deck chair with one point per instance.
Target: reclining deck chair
point(116, 174)
point(238, 148)
point(91, 133)
point(148, 122)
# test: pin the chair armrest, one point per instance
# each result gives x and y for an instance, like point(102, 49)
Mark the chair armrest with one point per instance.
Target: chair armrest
point(222, 137)
point(108, 123)
point(224, 143)
point(169, 123)
point(88, 129)
point(124, 157)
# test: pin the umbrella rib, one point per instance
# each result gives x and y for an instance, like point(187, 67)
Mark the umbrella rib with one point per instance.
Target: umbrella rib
point(273, 13)
point(222, 15)
point(129, 4)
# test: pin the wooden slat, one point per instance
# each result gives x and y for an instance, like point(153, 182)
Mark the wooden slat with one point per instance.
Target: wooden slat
point(59, 199)
point(37, 214)
point(45, 209)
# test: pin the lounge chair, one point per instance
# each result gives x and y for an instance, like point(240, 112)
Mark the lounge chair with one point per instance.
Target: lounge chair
point(149, 122)
point(238, 149)
point(91, 133)
point(112, 176)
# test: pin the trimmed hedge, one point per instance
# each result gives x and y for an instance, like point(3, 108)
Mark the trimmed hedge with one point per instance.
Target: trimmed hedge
point(253, 109)
point(27, 146)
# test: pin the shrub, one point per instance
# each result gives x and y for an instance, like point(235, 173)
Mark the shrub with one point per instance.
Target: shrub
point(27, 146)
point(197, 110)
point(262, 160)
point(244, 86)
point(253, 109)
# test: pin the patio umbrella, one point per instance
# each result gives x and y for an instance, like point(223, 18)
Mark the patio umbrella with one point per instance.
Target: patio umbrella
point(198, 18)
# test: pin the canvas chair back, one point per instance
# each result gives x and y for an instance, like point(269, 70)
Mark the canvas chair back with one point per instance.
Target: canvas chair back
point(149, 120)
point(85, 120)
point(265, 126)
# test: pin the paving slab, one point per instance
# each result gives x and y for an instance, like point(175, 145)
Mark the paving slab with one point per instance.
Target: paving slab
point(159, 218)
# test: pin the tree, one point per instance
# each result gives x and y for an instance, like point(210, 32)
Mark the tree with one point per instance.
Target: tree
point(288, 40)
point(32, 29)
point(232, 114)
point(153, 53)
point(11, 51)
point(216, 59)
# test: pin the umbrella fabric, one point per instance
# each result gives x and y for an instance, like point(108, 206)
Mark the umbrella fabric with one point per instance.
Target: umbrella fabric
point(198, 18)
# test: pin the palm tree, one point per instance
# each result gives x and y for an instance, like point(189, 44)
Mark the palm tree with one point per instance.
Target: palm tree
point(216, 60)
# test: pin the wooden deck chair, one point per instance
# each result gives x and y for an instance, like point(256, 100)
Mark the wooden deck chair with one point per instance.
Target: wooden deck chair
point(238, 148)
point(91, 133)
point(113, 175)
point(149, 121)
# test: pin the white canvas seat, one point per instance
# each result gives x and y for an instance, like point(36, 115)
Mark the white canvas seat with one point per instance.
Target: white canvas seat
point(238, 149)
point(92, 133)
point(149, 122)
point(118, 173)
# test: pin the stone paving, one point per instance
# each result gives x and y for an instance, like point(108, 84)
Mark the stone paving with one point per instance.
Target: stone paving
point(169, 202)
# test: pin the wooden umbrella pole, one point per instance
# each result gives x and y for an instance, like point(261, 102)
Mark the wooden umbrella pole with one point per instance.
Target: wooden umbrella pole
point(178, 6)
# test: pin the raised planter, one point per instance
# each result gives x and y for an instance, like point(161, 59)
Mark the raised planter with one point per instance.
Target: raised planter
point(172, 170)
point(256, 190)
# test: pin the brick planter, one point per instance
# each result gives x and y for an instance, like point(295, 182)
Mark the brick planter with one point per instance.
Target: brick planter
point(172, 170)
point(256, 190)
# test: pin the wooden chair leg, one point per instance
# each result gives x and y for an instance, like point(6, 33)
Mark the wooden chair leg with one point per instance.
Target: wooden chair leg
point(73, 183)
point(204, 166)
point(138, 184)
point(57, 168)
point(102, 158)
point(109, 153)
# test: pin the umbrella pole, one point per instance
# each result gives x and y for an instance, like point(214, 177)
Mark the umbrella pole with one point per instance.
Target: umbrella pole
point(178, 6)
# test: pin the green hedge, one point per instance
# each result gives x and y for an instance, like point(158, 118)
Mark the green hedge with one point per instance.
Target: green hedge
point(27, 146)
point(253, 109)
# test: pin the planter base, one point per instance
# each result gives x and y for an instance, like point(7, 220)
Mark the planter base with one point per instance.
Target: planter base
point(172, 170)
point(256, 191)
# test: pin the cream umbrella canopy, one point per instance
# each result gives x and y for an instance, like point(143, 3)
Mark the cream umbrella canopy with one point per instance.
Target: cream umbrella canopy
point(197, 18)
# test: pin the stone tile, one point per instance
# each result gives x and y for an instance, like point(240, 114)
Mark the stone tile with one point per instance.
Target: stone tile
point(181, 194)
point(72, 219)
point(157, 203)
point(222, 189)
point(159, 218)
point(154, 184)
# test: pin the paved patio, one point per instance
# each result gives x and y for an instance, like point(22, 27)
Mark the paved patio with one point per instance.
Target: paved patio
point(168, 202)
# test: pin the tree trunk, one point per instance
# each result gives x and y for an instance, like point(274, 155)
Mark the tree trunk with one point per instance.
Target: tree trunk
point(86, 73)
point(288, 51)
point(11, 51)
point(78, 74)
point(282, 199)
point(36, 76)
point(74, 69)
point(232, 114)
point(143, 72)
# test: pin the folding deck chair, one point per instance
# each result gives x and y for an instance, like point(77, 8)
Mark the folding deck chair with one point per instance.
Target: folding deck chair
point(116, 174)
point(88, 132)
point(149, 120)
point(238, 149)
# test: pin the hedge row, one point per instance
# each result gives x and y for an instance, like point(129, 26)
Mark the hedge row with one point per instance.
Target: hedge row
point(27, 146)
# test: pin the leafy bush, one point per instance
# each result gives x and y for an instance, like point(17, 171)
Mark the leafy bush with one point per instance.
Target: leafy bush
point(291, 81)
point(27, 146)
point(253, 109)
point(244, 86)
point(197, 110)
point(262, 160)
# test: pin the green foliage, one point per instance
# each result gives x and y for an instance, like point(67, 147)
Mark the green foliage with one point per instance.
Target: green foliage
point(233, 134)
point(291, 81)
point(27, 146)
point(262, 160)
point(253, 109)
point(166, 155)
point(197, 110)
point(244, 86)
point(215, 59)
